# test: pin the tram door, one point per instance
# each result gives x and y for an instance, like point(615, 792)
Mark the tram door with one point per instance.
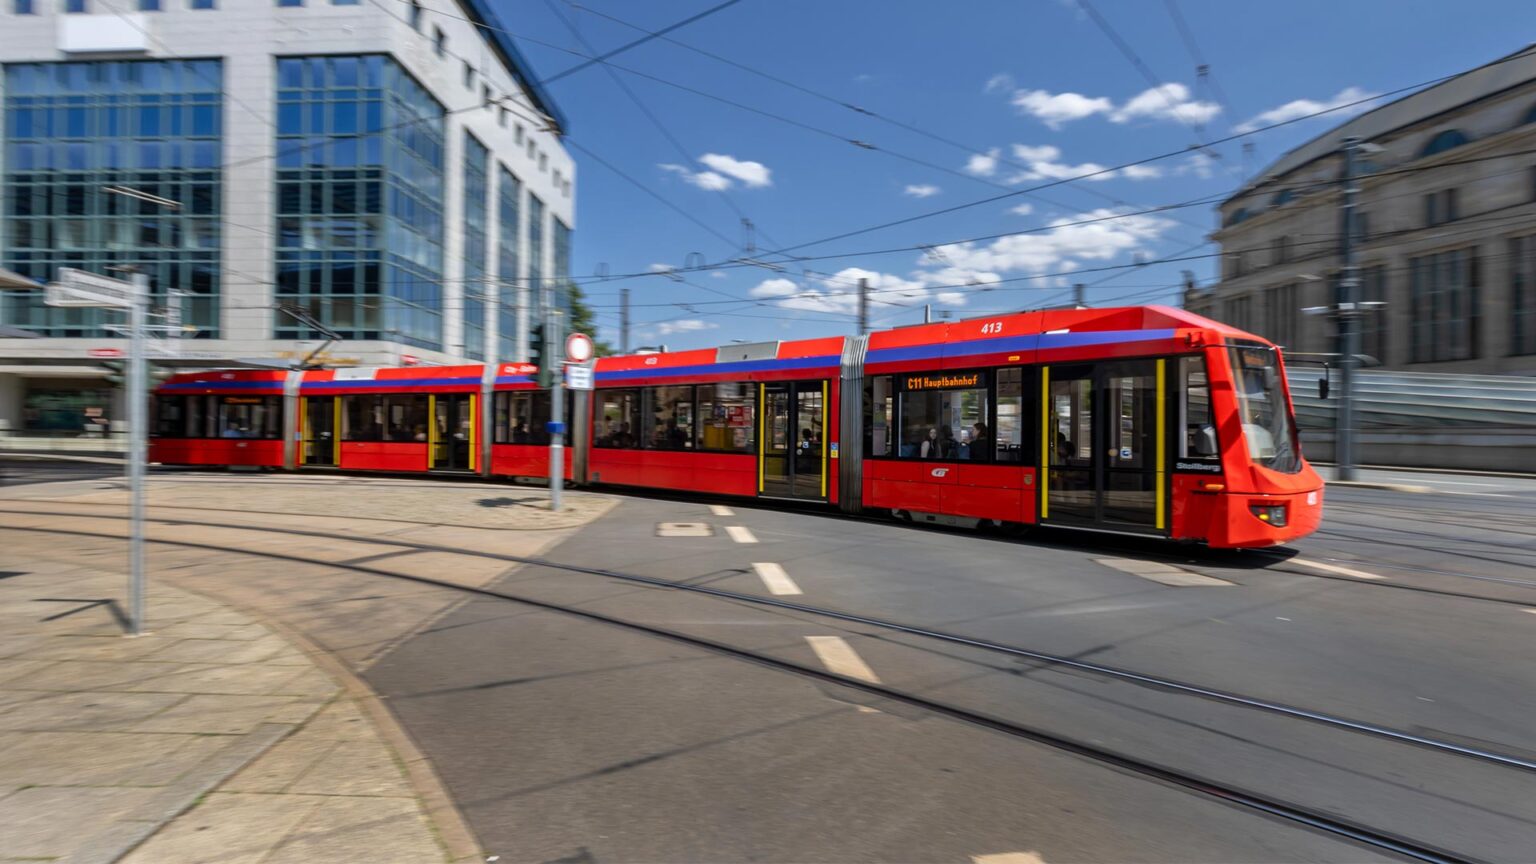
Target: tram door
point(453, 428)
point(320, 430)
point(1104, 446)
point(792, 448)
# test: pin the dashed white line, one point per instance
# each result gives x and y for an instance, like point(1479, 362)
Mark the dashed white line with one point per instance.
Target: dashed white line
point(741, 533)
point(721, 510)
point(775, 578)
point(1334, 568)
point(1030, 857)
point(840, 658)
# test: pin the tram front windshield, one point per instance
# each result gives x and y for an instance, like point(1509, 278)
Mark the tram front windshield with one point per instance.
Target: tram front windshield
point(1268, 427)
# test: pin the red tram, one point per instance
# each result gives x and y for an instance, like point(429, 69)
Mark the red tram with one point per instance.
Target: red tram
point(1141, 420)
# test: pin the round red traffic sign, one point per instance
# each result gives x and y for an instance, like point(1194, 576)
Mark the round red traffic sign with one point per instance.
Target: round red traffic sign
point(578, 347)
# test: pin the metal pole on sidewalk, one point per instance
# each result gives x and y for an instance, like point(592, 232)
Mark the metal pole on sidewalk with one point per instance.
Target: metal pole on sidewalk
point(554, 340)
point(1348, 318)
point(137, 423)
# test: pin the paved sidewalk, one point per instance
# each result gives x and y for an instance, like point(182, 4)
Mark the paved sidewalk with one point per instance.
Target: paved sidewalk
point(212, 738)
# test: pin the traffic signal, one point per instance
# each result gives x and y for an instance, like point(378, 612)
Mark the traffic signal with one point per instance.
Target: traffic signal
point(537, 349)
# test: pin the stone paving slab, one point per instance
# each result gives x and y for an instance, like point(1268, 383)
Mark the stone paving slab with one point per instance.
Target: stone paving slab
point(211, 738)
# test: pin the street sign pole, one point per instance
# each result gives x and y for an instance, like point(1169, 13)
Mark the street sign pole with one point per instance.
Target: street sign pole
point(556, 410)
point(137, 423)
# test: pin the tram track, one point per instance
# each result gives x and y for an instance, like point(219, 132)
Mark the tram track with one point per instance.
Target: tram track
point(1019, 652)
point(1312, 818)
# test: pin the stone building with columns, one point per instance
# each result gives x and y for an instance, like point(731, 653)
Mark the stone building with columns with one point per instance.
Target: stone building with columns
point(1445, 234)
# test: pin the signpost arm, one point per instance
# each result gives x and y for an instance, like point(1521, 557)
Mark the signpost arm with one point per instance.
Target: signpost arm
point(137, 422)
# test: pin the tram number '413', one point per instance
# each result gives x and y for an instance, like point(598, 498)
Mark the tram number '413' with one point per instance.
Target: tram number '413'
point(992, 328)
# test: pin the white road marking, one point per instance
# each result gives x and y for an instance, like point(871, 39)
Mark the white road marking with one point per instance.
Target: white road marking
point(1334, 568)
point(1532, 611)
point(775, 578)
point(682, 529)
point(740, 533)
point(1165, 574)
point(1030, 857)
point(721, 510)
point(840, 658)
point(1465, 483)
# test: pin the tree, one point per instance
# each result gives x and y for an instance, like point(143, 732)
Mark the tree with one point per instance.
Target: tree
point(583, 320)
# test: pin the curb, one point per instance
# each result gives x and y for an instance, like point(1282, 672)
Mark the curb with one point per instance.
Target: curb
point(62, 457)
point(452, 831)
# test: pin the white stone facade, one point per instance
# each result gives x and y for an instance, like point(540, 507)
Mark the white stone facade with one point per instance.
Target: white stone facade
point(248, 36)
point(1471, 204)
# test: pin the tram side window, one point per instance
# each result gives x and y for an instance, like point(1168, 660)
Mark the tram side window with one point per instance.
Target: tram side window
point(726, 421)
point(501, 429)
point(200, 417)
point(944, 416)
point(615, 423)
point(1011, 415)
point(362, 418)
point(405, 418)
point(669, 418)
point(1198, 440)
point(250, 417)
point(170, 417)
point(879, 404)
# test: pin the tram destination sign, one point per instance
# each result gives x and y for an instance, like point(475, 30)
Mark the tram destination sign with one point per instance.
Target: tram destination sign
point(946, 381)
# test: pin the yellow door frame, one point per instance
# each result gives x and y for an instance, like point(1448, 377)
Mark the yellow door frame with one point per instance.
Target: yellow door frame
point(474, 451)
point(762, 428)
point(431, 431)
point(1044, 479)
point(825, 434)
point(336, 431)
point(1161, 517)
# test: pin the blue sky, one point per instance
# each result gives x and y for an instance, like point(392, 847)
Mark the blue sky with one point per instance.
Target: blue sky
point(1033, 89)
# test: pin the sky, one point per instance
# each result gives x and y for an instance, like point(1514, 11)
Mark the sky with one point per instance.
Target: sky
point(968, 100)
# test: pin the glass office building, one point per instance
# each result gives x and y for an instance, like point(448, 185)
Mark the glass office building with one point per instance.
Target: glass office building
point(373, 172)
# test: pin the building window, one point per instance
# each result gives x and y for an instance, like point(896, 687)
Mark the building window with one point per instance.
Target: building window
point(290, 2)
point(562, 256)
point(1443, 306)
point(23, 7)
point(536, 254)
point(1280, 314)
point(149, 5)
point(501, 117)
point(517, 136)
point(1362, 225)
point(1440, 208)
point(415, 16)
point(345, 2)
point(75, 129)
point(75, 7)
point(359, 200)
point(469, 77)
point(201, 4)
point(476, 286)
point(1280, 250)
point(1238, 312)
point(485, 96)
point(1522, 295)
point(1447, 140)
point(509, 196)
point(1373, 324)
point(439, 41)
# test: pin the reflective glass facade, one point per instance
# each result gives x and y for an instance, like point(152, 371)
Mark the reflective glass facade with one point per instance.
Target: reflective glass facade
point(536, 284)
point(562, 264)
point(476, 285)
point(509, 196)
point(359, 191)
point(72, 130)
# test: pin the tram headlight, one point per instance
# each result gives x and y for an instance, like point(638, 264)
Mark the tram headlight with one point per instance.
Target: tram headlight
point(1274, 514)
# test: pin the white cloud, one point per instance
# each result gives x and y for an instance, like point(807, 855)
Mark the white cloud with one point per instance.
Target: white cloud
point(983, 164)
point(723, 170)
point(1141, 172)
point(1001, 81)
point(1169, 101)
point(921, 191)
point(775, 288)
point(661, 268)
point(1042, 163)
point(1062, 246)
point(1299, 108)
point(1055, 109)
point(719, 274)
point(686, 325)
point(752, 174)
point(1022, 209)
point(1198, 164)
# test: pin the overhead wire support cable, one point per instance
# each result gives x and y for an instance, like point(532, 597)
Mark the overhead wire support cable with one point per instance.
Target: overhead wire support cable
point(641, 41)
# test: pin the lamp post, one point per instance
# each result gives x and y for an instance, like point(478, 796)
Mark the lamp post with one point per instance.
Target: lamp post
point(1348, 312)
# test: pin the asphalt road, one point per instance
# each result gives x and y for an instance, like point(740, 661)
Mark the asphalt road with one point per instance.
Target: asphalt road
point(565, 738)
point(617, 745)
point(16, 471)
